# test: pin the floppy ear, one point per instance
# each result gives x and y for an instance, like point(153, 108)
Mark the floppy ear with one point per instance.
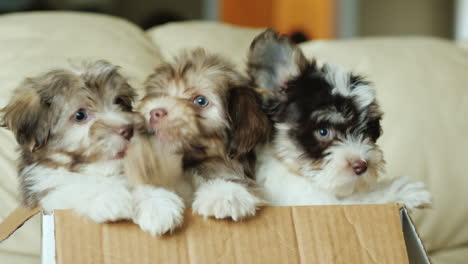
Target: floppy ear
point(249, 124)
point(27, 116)
point(273, 60)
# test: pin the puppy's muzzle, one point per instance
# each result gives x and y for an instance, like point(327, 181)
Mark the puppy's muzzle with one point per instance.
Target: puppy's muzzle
point(359, 166)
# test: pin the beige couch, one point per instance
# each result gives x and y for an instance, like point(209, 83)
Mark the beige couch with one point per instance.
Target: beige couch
point(421, 84)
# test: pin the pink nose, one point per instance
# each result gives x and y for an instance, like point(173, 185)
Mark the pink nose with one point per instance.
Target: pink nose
point(158, 114)
point(126, 132)
point(359, 166)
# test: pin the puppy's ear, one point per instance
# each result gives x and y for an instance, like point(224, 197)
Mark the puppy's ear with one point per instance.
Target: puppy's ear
point(249, 124)
point(27, 116)
point(273, 60)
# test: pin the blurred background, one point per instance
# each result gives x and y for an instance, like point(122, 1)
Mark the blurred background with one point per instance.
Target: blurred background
point(304, 19)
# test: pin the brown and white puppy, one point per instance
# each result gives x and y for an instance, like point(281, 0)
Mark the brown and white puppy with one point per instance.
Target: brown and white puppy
point(73, 127)
point(202, 112)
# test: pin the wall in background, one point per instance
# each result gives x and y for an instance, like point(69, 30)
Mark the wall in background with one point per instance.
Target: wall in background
point(316, 18)
point(406, 17)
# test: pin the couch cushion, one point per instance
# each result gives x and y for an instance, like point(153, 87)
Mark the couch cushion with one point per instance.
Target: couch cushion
point(422, 87)
point(230, 41)
point(35, 42)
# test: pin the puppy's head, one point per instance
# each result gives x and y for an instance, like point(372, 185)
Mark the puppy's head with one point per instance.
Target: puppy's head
point(201, 96)
point(326, 119)
point(72, 115)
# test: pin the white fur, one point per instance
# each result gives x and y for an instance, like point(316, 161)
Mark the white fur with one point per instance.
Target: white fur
point(222, 199)
point(339, 78)
point(399, 190)
point(283, 187)
point(157, 211)
point(98, 194)
point(61, 158)
point(337, 176)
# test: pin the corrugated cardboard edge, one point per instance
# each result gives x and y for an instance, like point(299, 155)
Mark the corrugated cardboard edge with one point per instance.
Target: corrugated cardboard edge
point(414, 245)
point(48, 252)
point(15, 220)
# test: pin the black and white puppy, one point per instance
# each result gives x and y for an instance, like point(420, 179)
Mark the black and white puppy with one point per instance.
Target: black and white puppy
point(326, 125)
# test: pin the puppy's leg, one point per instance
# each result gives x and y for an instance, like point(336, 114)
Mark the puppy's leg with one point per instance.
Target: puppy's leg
point(399, 190)
point(157, 210)
point(224, 198)
point(99, 202)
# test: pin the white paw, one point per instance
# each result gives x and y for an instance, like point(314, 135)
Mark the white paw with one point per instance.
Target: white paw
point(223, 199)
point(110, 205)
point(413, 195)
point(157, 211)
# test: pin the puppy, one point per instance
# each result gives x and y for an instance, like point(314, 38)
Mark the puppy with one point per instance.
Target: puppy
point(202, 113)
point(73, 127)
point(326, 123)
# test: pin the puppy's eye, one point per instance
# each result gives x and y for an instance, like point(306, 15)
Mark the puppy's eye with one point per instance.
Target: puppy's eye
point(325, 134)
point(201, 101)
point(80, 116)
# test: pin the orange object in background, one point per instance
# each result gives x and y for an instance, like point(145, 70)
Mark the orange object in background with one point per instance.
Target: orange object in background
point(315, 18)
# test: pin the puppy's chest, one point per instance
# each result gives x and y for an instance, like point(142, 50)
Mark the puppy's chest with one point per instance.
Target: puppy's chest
point(283, 187)
point(40, 175)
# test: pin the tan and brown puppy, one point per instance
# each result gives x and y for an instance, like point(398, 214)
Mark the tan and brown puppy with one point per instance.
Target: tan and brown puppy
point(73, 126)
point(201, 111)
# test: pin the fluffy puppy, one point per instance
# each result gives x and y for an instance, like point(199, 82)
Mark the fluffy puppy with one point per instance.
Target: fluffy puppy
point(326, 124)
point(73, 127)
point(201, 111)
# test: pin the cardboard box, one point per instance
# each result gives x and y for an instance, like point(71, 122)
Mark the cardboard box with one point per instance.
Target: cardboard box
point(304, 234)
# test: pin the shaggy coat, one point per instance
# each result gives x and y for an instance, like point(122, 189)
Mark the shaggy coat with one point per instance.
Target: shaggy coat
point(202, 111)
point(326, 125)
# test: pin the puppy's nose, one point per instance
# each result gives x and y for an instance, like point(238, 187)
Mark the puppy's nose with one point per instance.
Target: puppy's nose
point(126, 132)
point(158, 114)
point(359, 166)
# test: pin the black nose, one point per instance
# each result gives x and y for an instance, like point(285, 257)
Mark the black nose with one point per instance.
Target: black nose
point(359, 166)
point(126, 132)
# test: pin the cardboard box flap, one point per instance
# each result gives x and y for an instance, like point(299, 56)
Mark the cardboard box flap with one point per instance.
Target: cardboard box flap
point(416, 251)
point(15, 220)
point(303, 234)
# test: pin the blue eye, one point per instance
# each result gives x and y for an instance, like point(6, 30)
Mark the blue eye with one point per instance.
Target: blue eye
point(324, 134)
point(80, 116)
point(201, 101)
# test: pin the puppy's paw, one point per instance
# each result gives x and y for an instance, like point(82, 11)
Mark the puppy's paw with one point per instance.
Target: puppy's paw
point(110, 205)
point(413, 195)
point(223, 199)
point(157, 211)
